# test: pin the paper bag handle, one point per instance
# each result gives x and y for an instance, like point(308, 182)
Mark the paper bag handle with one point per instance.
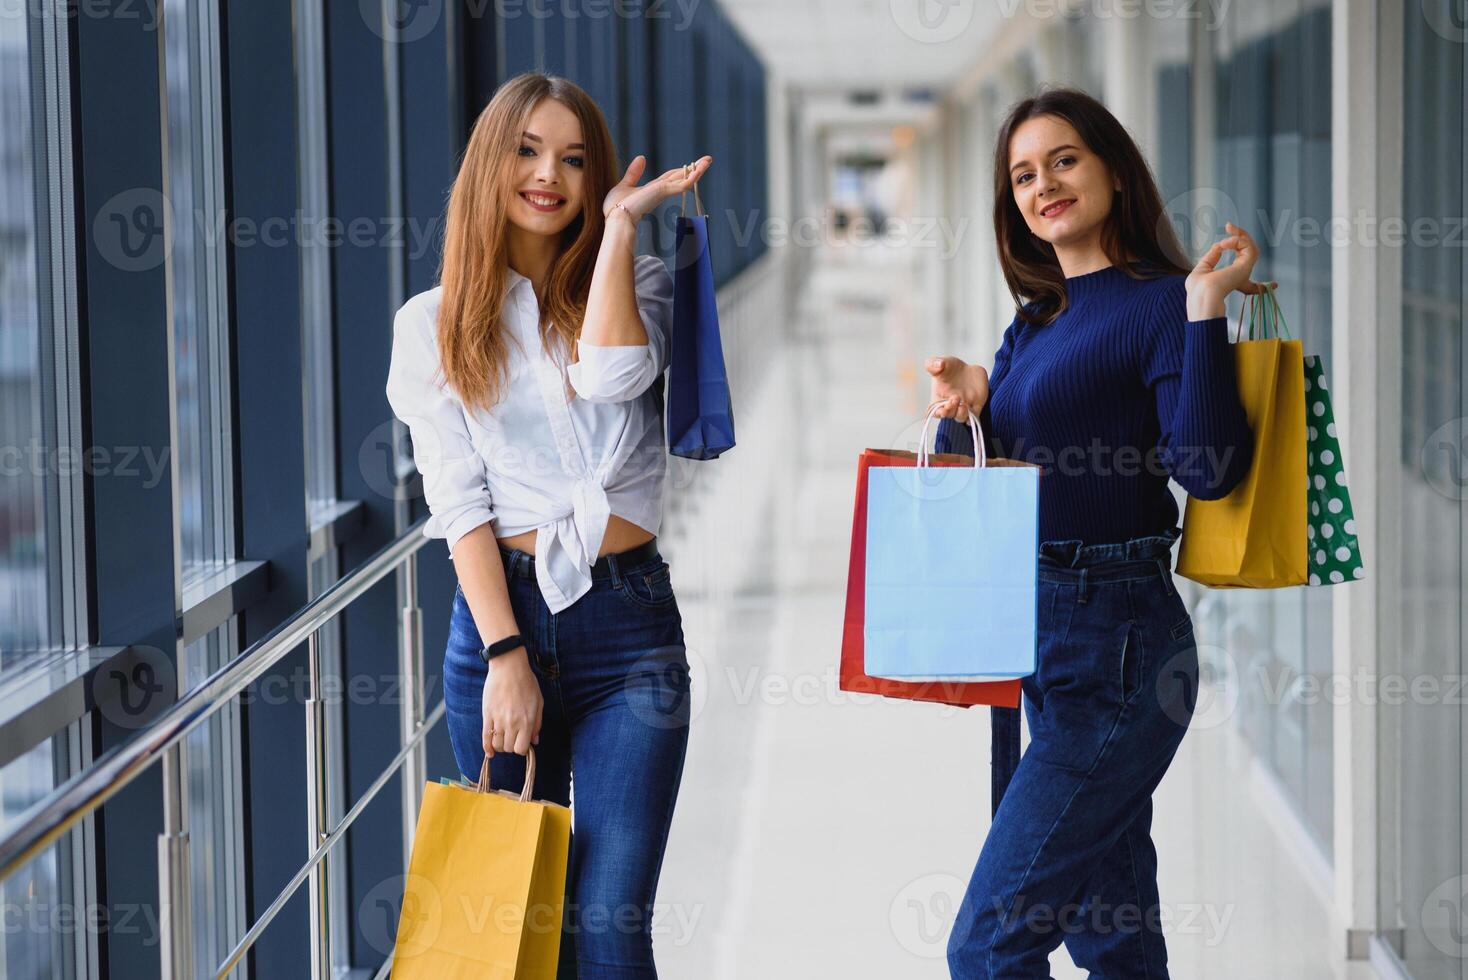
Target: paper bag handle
point(525, 793)
point(697, 204)
point(981, 458)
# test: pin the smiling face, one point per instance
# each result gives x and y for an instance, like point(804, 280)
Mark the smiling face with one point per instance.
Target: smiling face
point(547, 183)
point(1063, 190)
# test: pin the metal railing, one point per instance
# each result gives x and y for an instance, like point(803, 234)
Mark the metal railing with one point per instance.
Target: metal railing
point(161, 742)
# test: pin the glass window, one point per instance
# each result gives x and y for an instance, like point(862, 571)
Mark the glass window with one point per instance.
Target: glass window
point(41, 599)
point(196, 199)
point(49, 928)
point(42, 596)
point(1422, 845)
point(1268, 169)
point(204, 453)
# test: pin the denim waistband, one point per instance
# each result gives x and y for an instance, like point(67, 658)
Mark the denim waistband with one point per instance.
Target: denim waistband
point(522, 564)
point(1074, 561)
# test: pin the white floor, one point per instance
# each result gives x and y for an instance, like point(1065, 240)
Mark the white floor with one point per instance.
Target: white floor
point(821, 835)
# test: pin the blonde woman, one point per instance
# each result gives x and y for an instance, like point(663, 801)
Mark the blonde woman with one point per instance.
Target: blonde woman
point(527, 378)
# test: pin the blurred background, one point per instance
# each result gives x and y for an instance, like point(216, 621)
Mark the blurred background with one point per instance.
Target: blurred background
point(210, 210)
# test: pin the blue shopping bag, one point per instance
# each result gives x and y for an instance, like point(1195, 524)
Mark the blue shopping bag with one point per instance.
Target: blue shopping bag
point(952, 568)
point(700, 414)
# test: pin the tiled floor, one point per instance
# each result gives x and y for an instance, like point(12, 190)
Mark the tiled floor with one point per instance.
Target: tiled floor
point(820, 835)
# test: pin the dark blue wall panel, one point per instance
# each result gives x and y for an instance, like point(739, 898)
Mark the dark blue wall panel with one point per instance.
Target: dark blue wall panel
point(124, 363)
point(266, 326)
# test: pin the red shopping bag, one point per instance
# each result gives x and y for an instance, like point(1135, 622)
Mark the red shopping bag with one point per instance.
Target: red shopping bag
point(853, 675)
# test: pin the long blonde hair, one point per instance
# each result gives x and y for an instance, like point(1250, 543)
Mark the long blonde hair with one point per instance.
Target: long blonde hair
point(472, 342)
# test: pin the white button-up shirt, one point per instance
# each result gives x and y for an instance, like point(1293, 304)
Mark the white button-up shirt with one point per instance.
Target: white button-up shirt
point(547, 458)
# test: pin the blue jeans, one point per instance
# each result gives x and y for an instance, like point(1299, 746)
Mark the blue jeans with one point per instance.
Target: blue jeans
point(614, 674)
point(1069, 857)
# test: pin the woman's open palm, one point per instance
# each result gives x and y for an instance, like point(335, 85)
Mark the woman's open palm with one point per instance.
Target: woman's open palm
point(640, 200)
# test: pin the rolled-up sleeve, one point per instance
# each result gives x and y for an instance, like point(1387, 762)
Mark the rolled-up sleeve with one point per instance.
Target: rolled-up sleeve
point(621, 373)
point(454, 484)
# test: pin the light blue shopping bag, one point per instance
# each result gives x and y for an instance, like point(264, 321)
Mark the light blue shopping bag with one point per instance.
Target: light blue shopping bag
point(952, 567)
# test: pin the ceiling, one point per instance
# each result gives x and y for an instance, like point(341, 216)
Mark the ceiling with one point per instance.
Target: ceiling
point(842, 44)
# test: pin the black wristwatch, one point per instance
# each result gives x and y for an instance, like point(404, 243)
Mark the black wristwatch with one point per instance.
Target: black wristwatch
point(511, 642)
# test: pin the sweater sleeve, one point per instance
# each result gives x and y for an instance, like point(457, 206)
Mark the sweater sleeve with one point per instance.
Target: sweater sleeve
point(954, 436)
point(1205, 442)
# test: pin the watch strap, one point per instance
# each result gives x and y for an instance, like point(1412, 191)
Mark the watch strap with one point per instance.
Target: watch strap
point(498, 647)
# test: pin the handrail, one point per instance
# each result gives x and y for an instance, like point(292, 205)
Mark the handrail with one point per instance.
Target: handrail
point(288, 892)
point(65, 806)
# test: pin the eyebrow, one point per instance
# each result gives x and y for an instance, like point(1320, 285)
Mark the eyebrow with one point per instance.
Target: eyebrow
point(536, 139)
point(1026, 163)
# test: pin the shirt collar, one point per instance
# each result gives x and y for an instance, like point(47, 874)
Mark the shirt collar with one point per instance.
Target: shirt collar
point(513, 279)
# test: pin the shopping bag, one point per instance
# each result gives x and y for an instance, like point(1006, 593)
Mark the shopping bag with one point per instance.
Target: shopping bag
point(486, 882)
point(700, 413)
point(853, 677)
point(1335, 551)
point(1255, 537)
point(952, 569)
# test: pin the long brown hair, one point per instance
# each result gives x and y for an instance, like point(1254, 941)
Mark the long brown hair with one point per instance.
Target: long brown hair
point(472, 344)
point(1136, 234)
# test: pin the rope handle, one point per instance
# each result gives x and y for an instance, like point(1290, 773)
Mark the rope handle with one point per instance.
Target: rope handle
point(1266, 317)
point(525, 792)
point(981, 458)
point(697, 202)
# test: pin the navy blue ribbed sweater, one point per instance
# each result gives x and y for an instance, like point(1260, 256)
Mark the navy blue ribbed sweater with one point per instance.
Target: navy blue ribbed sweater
point(1116, 395)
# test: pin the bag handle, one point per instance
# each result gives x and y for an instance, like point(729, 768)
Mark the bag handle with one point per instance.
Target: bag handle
point(1265, 311)
point(529, 788)
point(1276, 313)
point(697, 202)
point(981, 457)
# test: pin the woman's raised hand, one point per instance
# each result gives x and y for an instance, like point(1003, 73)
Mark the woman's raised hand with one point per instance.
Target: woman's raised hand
point(960, 387)
point(1208, 285)
point(640, 200)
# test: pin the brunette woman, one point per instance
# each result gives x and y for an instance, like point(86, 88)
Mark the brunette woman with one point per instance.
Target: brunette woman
point(1115, 376)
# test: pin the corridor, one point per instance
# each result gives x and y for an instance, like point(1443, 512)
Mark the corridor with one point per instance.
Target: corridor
point(821, 834)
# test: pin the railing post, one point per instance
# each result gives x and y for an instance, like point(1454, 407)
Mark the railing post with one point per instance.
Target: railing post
point(316, 815)
point(176, 911)
point(410, 668)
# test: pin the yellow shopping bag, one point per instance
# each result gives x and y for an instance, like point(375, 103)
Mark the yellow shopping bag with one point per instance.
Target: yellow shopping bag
point(486, 885)
point(1255, 537)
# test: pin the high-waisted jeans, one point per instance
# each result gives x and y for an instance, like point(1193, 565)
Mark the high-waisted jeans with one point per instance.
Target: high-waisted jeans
point(1069, 857)
point(614, 674)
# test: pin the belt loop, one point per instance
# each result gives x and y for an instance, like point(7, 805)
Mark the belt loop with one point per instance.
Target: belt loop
point(1082, 596)
point(616, 571)
point(1166, 575)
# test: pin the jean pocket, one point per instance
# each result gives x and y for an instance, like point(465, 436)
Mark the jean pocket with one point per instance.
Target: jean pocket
point(1084, 682)
point(650, 586)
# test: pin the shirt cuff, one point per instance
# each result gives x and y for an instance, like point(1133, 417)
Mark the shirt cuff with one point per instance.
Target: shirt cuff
point(611, 374)
point(457, 525)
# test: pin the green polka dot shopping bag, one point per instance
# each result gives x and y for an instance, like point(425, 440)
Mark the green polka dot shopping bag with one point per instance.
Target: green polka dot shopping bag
point(1335, 554)
point(1289, 522)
